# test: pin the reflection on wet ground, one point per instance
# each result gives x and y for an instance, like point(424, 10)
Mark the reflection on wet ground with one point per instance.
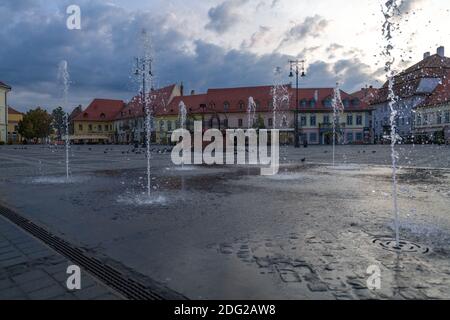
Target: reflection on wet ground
point(311, 231)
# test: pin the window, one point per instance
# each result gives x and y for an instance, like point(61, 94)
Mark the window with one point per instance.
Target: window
point(270, 122)
point(169, 125)
point(303, 121)
point(350, 120)
point(226, 106)
point(161, 125)
point(313, 137)
point(326, 119)
point(327, 103)
point(103, 116)
point(241, 105)
point(240, 123)
point(418, 119)
point(355, 102)
point(312, 103)
point(106, 127)
point(99, 127)
point(447, 116)
point(359, 120)
point(439, 117)
point(80, 127)
point(359, 137)
point(346, 103)
point(303, 103)
point(349, 137)
point(90, 127)
point(225, 123)
point(425, 119)
point(312, 120)
point(403, 121)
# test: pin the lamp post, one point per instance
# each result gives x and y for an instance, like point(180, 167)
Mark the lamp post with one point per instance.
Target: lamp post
point(296, 66)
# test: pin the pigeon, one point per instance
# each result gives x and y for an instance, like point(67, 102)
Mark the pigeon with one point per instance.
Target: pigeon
point(304, 160)
point(374, 152)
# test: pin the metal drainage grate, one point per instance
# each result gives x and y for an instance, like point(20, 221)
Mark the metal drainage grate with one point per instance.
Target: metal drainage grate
point(404, 246)
point(129, 288)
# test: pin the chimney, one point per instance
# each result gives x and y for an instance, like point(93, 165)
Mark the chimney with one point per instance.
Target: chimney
point(182, 89)
point(441, 51)
point(192, 92)
point(426, 55)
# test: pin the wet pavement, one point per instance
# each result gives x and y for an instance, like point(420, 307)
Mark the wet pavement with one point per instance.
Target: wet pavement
point(225, 232)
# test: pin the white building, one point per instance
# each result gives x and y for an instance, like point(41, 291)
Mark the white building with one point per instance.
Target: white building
point(4, 89)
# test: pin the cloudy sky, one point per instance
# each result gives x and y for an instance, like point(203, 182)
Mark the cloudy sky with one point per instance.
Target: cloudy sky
point(204, 43)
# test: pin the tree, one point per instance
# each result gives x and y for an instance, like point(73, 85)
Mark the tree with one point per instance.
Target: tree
point(36, 124)
point(58, 123)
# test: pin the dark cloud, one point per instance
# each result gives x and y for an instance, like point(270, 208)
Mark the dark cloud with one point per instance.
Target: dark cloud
point(100, 57)
point(225, 15)
point(310, 27)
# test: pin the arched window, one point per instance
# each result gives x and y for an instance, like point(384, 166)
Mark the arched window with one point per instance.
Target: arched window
point(102, 116)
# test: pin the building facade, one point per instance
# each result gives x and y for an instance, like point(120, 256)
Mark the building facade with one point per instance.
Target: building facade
point(412, 87)
point(96, 124)
point(130, 125)
point(14, 117)
point(228, 108)
point(4, 89)
point(432, 117)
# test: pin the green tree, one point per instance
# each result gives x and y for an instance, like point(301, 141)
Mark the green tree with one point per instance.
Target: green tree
point(260, 123)
point(58, 123)
point(36, 123)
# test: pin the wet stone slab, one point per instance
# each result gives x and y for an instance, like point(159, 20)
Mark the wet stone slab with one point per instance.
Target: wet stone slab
point(227, 232)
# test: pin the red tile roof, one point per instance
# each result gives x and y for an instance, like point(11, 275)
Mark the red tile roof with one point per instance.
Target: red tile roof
point(101, 110)
point(216, 100)
point(13, 111)
point(367, 95)
point(159, 100)
point(441, 95)
point(407, 82)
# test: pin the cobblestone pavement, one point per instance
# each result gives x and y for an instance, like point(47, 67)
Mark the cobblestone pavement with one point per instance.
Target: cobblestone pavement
point(31, 270)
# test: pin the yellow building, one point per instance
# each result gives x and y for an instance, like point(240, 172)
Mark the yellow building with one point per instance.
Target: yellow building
point(14, 117)
point(4, 89)
point(96, 123)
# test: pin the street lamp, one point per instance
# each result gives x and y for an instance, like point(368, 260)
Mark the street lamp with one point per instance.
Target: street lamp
point(296, 66)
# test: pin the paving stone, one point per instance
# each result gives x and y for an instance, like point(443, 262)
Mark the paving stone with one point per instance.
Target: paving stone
point(6, 283)
point(29, 276)
point(53, 291)
point(35, 285)
point(12, 293)
point(13, 262)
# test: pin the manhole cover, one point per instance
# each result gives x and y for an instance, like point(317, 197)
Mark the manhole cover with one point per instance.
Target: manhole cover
point(404, 246)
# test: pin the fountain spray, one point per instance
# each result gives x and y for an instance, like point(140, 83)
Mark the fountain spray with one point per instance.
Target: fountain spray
point(64, 77)
point(391, 12)
point(337, 108)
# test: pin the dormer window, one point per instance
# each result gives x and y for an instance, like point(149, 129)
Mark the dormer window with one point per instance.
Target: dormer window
point(241, 105)
point(226, 106)
point(85, 115)
point(312, 103)
point(303, 103)
point(355, 102)
point(327, 103)
point(102, 116)
point(346, 103)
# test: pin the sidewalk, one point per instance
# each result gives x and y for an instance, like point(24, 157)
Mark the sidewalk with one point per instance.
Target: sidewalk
point(31, 270)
